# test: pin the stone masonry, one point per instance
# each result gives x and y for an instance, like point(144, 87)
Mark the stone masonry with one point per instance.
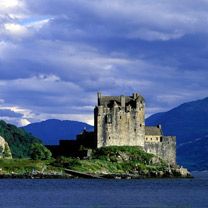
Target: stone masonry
point(119, 120)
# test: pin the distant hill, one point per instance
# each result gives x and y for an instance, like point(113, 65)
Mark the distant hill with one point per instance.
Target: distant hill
point(19, 141)
point(189, 123)
point(52, 130)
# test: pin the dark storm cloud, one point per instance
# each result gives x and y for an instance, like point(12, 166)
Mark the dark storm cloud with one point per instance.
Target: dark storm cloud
point(55, 55)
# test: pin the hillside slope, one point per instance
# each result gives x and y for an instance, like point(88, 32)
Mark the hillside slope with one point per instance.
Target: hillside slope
point(52, 130)
point(20, 142)
point(194, 154)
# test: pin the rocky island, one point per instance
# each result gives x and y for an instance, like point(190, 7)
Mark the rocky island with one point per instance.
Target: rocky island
point(107, 162)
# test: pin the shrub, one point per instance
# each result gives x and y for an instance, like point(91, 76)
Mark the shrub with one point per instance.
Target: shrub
point(40, 152)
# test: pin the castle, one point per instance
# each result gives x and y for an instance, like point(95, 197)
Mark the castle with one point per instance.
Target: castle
point(120, 121)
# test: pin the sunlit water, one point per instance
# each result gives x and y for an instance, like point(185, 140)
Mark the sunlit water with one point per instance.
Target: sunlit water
point(78, 193)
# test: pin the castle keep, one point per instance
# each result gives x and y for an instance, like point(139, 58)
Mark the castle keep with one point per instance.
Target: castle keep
point(120, 121)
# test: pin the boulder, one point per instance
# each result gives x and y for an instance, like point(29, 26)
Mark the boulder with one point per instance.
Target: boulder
point(184, 172)
point(5, 151)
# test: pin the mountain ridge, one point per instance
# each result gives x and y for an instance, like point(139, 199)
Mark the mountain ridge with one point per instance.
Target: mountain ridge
point(52, 130)
point(188, 120)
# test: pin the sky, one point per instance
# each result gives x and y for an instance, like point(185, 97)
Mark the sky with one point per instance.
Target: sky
point(55, 55)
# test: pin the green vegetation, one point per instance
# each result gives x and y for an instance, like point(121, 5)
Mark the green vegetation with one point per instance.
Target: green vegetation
point(7, 152)
point(21, 165)
point(40, 152)
point(114, 160)
point(20, 142)
point(107, 162)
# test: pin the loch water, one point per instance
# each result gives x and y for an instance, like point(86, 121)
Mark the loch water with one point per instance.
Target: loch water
point(85, 193)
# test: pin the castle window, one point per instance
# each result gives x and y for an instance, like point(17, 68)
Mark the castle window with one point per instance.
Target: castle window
point(140, 125)
point(120, 117)
point(151, 138)
point(135, 130)
point(108, 119)
point(134, 117)
point(108, 137)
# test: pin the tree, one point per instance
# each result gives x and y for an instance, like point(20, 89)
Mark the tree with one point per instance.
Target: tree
point(19, 141)
point(7, 152)
point(40, 152)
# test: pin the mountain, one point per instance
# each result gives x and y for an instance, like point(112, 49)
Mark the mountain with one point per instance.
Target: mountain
point(52, 130)
point(20, 142)
point(189, 123)
point(194, 154)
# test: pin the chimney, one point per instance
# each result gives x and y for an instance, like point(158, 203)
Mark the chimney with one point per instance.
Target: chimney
point(159, 126)
point(135, 95)
point(123, 102)
point(99, 95)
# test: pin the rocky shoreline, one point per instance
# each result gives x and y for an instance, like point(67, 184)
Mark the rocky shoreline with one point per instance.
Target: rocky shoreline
point(35, 176)
point(172, 173)
point(180, 172)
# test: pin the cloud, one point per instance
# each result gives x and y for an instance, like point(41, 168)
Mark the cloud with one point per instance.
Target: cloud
point(151, 35)
point(9, 113)
point(53, 59)
point(15, 29)
point(9, 3)
point(23, 122)
point(159, 20)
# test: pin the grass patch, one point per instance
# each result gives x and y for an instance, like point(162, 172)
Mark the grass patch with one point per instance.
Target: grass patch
point(112, 160)
point(22, 166)
point(106, 160)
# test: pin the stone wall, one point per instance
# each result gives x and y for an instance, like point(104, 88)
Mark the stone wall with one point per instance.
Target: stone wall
point(166, 149)
point(120, 125)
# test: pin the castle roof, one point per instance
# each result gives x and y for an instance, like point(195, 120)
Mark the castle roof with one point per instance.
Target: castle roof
point(109, 100)
point(153, 130)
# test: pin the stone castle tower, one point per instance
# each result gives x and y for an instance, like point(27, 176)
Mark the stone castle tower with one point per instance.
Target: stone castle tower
point(120, 121)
